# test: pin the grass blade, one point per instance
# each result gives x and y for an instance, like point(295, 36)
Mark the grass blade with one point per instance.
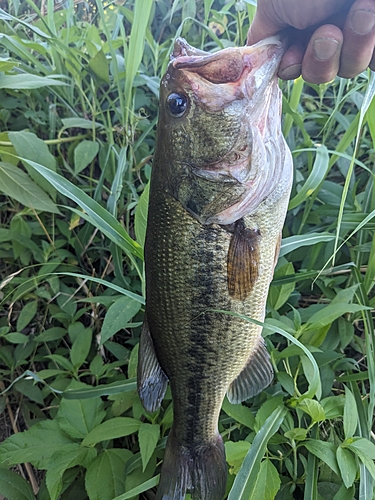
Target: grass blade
point(142, 12)
point(301, 240)
point(147, 485)
point(245, 479)
point(101, 218)
point(370, 346)
point(312, 472)
point(117, 183)
point(119, 289)
point(316, 177)
point(369, 95)
point(102, 390)
point(366, 483)
point(293, 104)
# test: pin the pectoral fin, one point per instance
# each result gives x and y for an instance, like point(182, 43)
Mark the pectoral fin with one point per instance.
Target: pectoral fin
point(256, 376)
point(277, 250)
point(151, 380)
point(243, 261)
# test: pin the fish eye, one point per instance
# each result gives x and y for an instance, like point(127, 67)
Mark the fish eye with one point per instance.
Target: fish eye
point(177, 104)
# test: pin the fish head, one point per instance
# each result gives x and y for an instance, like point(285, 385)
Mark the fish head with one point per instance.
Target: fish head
point(217, 111)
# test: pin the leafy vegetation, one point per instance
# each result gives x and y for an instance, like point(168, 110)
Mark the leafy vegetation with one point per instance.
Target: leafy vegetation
point(78, 93)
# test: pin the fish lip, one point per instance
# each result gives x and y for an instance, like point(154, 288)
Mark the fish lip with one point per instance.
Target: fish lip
point(279, 40)
point(276, 46)
point(187, 58)
point(183, 48)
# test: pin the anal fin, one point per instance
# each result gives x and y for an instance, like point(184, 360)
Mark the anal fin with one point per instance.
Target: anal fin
point(243, 261)
point(255, 376)
point(151, 380)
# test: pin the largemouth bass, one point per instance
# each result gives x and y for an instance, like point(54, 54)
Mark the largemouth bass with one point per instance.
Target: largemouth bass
point(219, 191)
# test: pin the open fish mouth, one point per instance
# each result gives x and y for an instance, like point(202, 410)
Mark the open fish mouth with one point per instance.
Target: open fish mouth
point(250, 67)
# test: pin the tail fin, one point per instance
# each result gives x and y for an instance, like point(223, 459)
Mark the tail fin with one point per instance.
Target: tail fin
point(201, 469)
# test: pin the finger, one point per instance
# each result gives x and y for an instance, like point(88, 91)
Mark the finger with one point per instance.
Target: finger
point(322, 57)
point(291, 63)
point(359, 39)
point(274, 15)
point(262, 27)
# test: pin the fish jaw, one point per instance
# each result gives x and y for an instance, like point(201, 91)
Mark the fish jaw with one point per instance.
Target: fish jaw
point(227, 151)
point(238, 72)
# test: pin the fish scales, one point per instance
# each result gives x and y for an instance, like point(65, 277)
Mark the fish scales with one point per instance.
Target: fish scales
point(198, 343)
point(207, 161)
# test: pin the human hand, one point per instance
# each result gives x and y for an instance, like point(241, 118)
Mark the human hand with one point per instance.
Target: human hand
point(326, 37)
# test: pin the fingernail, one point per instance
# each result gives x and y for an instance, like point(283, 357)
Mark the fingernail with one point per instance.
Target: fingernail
point(290, 72)
point(362, 21)
point(325, 48)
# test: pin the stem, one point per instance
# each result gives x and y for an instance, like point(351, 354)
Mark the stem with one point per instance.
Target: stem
point(51, 141)
point(295, 461)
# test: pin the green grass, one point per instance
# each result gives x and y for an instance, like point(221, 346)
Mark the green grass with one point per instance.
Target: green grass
point(78, 107)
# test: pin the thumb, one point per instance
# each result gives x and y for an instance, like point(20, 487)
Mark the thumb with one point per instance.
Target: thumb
point(262, 27)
